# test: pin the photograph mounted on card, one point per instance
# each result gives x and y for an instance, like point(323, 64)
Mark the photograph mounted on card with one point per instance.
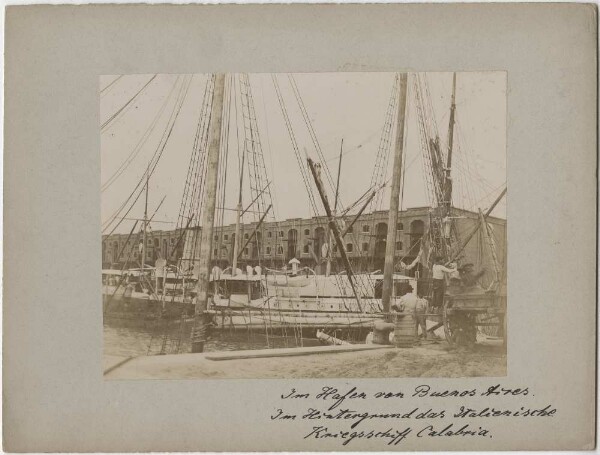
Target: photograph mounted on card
point(304, 225)
point(291, 222)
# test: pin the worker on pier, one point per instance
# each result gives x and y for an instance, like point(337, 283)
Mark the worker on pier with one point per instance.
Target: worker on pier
point(439, 282)
point(407, 303)
point(421, 315)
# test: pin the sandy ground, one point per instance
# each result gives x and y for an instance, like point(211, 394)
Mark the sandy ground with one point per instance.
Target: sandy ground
point(427, 360)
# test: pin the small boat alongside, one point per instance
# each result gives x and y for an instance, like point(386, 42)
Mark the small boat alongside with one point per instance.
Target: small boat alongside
point(147, 295)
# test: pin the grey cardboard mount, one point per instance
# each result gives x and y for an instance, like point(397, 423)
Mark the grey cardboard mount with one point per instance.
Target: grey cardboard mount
point(55, 398)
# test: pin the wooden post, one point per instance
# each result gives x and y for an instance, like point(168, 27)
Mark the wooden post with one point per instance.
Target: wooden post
point(208, 215)
point(390, 247)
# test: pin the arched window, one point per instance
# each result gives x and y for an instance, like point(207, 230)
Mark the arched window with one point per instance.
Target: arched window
point(279, 250)
point(246, 236)
point(292, 243)
point(306, 231)
point(400, 227)
point(417, 229)
point(381, 230)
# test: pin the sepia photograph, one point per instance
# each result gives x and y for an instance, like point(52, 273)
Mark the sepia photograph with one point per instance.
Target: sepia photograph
point(292, 221)
point(306, 225)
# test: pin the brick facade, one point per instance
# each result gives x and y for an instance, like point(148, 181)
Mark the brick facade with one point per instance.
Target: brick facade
point(302, 238)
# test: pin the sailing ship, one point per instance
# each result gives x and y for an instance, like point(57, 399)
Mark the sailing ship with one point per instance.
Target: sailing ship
point(260, 297)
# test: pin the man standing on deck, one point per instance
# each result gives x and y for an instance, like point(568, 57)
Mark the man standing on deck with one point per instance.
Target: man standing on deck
point(439, 282)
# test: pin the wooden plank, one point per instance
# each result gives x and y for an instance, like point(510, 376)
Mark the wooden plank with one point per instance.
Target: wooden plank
point(289, 352)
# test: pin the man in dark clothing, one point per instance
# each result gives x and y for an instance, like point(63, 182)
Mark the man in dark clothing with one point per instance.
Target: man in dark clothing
point(468, 277)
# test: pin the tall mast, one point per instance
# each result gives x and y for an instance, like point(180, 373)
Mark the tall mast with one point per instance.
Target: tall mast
point(333, 227)
point(337, 186)
point(390, 247)
point(448, 178)
point(208, 215)
point(335, 204)
point(145, 220)
point(236, 240)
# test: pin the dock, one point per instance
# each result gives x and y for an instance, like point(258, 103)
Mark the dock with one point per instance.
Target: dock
point(354, 361)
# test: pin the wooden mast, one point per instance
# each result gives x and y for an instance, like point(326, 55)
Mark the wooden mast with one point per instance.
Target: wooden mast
point(335, 204)
point(448, 178)
point(315, 170)
point(236, 240)
point(476, 228)
point(337, 186)
point(390, 248)
point(208, 215)
point(145, 221)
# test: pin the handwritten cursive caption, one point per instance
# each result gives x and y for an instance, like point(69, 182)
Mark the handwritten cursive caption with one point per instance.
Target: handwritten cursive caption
point(350, 414)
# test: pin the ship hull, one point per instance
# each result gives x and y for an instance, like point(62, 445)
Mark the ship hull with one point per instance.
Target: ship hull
point(139, 305)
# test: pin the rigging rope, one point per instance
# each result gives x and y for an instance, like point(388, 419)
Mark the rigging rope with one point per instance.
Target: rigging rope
point(108, 87)
point(142, 180)
point(132, 155)
point(153, 161)
point(109, 121)
point(299, 158)
point(313, 135)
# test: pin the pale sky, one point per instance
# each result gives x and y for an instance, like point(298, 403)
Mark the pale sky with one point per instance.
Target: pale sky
point(348, 106)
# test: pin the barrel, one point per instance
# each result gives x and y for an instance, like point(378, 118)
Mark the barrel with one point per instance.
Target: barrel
point(405, 331)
